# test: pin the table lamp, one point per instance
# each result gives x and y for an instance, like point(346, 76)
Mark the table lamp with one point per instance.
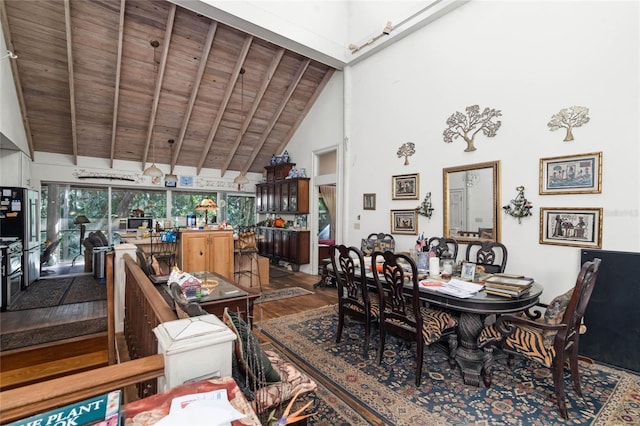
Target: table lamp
point(207, 205)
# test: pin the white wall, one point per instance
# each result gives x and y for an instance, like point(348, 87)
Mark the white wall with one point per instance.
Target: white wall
point(528, 59)
point(10, 118)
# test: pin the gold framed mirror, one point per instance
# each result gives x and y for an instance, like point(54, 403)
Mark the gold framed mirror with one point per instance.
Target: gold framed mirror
point(471, 201)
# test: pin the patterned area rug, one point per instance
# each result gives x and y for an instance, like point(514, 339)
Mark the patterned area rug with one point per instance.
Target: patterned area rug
point(39, 336)
point(283, 293)
point(522, 395)
point(60, 291)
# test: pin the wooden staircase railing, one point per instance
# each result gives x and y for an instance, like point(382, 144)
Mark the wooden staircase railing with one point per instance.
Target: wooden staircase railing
point(144, 310)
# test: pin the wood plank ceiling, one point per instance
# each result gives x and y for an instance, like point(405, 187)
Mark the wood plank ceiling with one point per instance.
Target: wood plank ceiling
point(119, 79)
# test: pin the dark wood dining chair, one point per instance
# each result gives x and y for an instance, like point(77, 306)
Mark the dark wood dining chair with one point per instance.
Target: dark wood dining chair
point(489, 254)
point(553, 341)
point(353, 296)
point(403, 315)
point(442, 245)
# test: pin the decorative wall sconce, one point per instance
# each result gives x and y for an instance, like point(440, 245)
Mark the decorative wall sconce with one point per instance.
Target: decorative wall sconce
point(426, 208)
point(519, 207)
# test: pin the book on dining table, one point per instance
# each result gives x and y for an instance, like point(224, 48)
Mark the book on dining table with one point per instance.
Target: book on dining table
point(500, 280)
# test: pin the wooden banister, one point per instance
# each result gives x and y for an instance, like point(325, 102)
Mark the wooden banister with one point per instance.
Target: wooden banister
point(40, 397)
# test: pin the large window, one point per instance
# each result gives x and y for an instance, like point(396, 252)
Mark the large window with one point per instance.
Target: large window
point(184, 203)
point(62, 203)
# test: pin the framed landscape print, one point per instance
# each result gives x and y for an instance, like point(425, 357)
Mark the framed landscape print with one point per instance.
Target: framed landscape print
point(566, 226)
point(404, 222)
point(405, 187)
point(369, 201)
point(572, 174)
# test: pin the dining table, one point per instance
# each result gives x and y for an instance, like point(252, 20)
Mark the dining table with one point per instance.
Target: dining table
point(472, 311)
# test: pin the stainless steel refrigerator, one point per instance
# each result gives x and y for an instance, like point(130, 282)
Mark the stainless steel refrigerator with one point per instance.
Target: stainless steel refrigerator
point(20, 217)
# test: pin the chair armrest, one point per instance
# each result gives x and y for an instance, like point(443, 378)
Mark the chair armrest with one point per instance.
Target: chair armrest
point(506, 324)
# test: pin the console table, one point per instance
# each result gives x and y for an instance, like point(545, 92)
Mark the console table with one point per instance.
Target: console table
point(225, 295)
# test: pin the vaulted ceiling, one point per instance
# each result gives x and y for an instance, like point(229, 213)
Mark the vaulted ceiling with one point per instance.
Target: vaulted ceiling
point(120, 79)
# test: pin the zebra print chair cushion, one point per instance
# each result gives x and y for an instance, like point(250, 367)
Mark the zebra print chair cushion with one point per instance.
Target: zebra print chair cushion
point(532, 343)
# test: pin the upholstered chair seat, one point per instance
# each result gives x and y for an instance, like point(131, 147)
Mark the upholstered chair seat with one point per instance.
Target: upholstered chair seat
point(551, 341)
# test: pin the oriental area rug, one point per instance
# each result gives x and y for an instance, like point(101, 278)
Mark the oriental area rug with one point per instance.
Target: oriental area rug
point(49, 292)
point(386, 394)
point(282, 293)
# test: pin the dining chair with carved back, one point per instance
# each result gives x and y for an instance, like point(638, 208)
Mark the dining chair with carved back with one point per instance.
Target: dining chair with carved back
point(354, 300)
point(404, 316)
point(443, 245)
point(491, 255)
point(551, 339)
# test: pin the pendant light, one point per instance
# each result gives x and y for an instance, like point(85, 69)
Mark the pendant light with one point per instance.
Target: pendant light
point(153, 170)
point(170, 177)
point(241, 179)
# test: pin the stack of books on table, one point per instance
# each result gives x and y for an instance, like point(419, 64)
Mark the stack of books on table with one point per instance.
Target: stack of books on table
point(507, 285)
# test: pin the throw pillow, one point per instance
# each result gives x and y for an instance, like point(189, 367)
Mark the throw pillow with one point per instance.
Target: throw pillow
point(367, 246)
point(554, 313)
point(252, 360)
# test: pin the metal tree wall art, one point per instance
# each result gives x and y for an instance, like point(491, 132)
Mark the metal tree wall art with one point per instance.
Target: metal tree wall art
point(469, 125)
point(406, 150)
point(568, 118)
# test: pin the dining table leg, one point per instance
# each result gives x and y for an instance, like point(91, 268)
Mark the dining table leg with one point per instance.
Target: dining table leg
point(469, 357)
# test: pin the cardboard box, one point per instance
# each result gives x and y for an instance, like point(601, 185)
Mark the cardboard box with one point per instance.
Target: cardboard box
point(247, 269)
point(263, 265)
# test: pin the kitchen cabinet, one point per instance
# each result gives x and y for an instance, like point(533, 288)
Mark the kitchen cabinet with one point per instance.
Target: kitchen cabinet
point(290, 196)
point(206, 251)
point(284, 244)
point(281, 195)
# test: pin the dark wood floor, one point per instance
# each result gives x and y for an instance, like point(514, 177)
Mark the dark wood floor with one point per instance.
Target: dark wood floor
point(33, 364)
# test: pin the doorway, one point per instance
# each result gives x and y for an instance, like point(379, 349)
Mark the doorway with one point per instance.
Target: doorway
point(326, 200)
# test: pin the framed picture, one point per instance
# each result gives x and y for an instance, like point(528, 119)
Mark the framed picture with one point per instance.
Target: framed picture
point(404, 222)
point(566, 226)
point(369, 201)
point(468, 272)
point(571, 174)
point(405, 187)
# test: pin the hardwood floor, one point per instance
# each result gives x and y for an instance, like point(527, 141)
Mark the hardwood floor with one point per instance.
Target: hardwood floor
point(43, 362)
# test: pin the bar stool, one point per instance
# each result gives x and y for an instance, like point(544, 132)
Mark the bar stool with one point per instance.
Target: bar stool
point(246, 250)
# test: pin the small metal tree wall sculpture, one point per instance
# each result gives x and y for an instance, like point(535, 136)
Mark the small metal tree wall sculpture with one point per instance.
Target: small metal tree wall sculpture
point(568, 118)
point(406, 150)
point(519, 207)
point(469, 125)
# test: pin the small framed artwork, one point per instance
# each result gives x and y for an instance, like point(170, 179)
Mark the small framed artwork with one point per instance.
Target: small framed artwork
point(186, 181)
point(468, 272)
point(566, 226)
point(405, 187)
point(404, 222)
point(369, 201)
point(571, 174)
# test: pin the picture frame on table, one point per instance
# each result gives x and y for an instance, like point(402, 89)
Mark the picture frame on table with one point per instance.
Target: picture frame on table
point(468, 272)
point(405, 187)
point(571, 174)
point(571, 226)
point(369, 201)
point(404, 222)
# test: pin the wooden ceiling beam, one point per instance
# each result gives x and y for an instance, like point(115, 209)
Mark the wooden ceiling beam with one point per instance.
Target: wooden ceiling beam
point(312, 99)
point(72, 90)
point(16, 80)
point(292, 87)
point(159, 79)
point(204, 58)
point(116, 98)
point(254, 107)
point(225, 101)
